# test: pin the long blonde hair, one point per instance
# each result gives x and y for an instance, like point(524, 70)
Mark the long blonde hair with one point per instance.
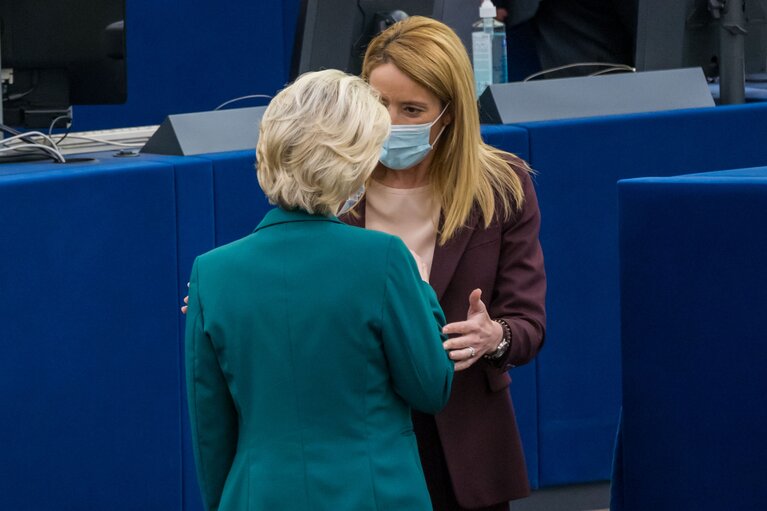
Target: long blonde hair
point(465, 171)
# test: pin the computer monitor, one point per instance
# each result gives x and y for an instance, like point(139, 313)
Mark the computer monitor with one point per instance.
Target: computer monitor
point(335, 33)
point(58, 53)
point(687, 33)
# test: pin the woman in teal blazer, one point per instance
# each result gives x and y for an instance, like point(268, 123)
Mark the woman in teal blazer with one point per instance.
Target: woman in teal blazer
point(309, 341)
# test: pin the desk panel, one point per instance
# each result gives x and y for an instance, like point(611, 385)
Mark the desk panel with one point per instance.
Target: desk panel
point(578, 164)
point(508, 138)
point(89, 357)
point(693, 295)
point(195, 235)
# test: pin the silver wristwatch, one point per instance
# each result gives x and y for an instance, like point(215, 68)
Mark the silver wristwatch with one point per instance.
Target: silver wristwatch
point(503, 346)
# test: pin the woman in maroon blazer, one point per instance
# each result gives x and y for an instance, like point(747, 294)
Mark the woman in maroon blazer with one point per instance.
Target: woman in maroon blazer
point(470, 213)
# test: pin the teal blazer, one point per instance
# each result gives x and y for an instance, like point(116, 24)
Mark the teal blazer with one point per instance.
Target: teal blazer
point(307, 344)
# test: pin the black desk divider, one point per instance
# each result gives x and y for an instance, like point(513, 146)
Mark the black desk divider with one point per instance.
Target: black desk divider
point(207, 132)
point(588, 96)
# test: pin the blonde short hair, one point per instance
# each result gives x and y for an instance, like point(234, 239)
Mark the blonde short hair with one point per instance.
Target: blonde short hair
point(319, 141)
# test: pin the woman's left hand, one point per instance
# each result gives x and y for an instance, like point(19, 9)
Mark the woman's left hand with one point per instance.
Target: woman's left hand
point(476, 336)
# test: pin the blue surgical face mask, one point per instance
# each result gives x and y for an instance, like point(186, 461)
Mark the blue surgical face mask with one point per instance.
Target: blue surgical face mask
point(408, 144)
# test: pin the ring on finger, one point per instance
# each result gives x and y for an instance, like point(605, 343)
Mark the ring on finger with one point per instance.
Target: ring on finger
point(472, 351)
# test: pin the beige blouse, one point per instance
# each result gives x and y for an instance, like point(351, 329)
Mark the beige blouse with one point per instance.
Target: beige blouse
point(410, 213)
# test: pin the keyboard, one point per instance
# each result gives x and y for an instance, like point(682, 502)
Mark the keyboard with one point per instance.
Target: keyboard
point(105, 140)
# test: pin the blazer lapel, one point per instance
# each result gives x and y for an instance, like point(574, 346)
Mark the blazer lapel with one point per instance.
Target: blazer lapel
point(447, 256)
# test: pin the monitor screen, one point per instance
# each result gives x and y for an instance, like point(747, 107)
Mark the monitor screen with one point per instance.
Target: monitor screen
point(335, 33)
point(58, 53)
point(686, 34)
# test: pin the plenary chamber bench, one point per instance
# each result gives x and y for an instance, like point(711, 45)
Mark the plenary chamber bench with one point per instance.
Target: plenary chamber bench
point(89, 351)
point(578, 163)
point(693, 295)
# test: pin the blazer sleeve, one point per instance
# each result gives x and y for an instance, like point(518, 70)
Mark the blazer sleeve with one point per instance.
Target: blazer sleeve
point(520, 288)
point(212, 413)
point(411, 324)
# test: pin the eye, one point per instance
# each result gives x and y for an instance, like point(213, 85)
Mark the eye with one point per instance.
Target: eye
point(412, 110)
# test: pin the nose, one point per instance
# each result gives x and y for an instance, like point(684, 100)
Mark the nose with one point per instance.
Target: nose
point(392, 113)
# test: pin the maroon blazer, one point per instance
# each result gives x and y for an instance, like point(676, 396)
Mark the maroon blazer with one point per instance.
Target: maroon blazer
point(478, 429)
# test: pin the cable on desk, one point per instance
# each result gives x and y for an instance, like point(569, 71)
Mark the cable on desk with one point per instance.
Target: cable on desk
point(250, 96)
point(102, 141)
point(20, 147)
point(53, 125)
point(29, 142)
point(613, 67)
point(610, 70)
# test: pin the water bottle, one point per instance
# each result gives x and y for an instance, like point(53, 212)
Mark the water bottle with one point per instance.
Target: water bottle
point(488, 46)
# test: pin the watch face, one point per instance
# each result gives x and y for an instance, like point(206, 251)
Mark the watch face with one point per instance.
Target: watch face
point(505, 341)
point(500, 350)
